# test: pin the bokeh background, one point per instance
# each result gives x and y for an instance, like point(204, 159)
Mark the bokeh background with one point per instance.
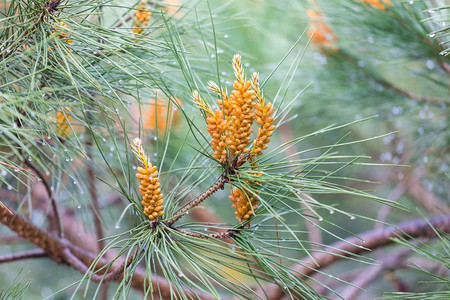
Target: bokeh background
point(342, 61)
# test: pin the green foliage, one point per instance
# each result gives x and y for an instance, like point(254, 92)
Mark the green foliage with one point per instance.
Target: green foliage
point(16, 289)
point(76, 87)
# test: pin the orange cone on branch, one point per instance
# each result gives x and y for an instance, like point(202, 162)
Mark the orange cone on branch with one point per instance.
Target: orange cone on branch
point(147, 174)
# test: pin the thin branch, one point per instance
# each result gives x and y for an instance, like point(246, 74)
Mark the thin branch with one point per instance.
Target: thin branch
point(219, 235)
point(367, 276)
point(219, 184)
point(95, 206)
point(56, 218)
point(312, 224)
point(112, 275)
point(365, 242)
point(23, 255)
point(387, 84)
point(94, 197)
point(55, 249)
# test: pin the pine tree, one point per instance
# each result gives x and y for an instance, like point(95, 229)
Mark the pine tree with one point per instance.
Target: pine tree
point(157, 157)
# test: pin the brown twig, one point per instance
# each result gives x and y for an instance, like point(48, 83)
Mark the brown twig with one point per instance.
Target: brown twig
point(95, 207)
point(56, 219)
point(365, 242)
point(94, 197)
point(112, 275)
point(55, 247)
point(219, 184)
point(23, 255)
point(366, 277)
point(219, 235)
point(387, 84)
point(424, 197)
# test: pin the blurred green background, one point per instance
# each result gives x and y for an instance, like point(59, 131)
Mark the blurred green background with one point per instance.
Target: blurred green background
point(382, 62)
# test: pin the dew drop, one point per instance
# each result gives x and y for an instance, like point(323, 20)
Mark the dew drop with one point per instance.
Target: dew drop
point(74, 182)
point(420, 130)
point(16, 170)
point(246, 65)
point(111, 148)
point(352, 217)
point(180, 275)
point(320, 219)
point(30, 159)
point(331, 211)
point(4, 173)
point(79, 206)
point(155, 138)
point(9, 187)
point(47, 173)
point(225, 36)
point(117, 226)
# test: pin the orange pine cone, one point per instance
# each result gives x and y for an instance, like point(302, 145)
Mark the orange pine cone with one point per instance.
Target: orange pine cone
point(241, 111)
point(244, 204)
point(320, 33)
point(141, 18)
point(158, 115)
point(216, 125)
point(263, 116)
point(378, 4)
point(152, 199)
point(150, 191)
point(63, 118)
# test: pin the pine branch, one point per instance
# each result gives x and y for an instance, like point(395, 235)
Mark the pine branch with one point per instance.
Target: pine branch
point(55, 218)
point(365, 242)
point(219, 235)
point(38, 253)
point(95, 208)
point(58, 250)
point(94, 197)
point(370, 274)
point(219, 184)
point(385, 83)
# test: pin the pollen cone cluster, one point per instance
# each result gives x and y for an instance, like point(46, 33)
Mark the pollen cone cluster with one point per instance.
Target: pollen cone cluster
point(231, 125)
point(59, 31)
point(241, 111)
point(244, 204)
point(216, 125)
point(63, 118)
point(378, 4)
point(320, 33)
point(141, 18)
point(148, 177)
point(263, 115)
